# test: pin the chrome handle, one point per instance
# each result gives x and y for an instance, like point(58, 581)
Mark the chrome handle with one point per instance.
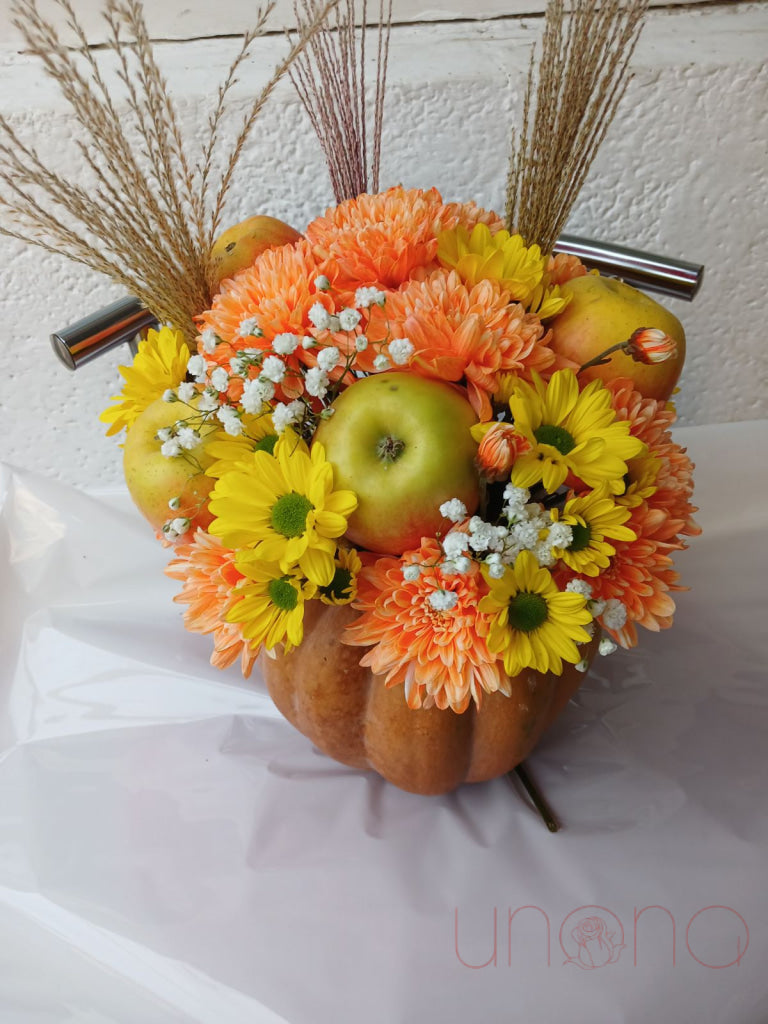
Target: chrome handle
point(102, 330)
point(641, 269)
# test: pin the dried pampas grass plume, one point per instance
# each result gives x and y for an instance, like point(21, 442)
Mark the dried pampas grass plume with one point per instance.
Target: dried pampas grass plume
point(329, 77)
point(149, 214)
point(576, 89)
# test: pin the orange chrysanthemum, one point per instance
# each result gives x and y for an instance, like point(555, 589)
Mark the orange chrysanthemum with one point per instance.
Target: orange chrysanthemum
point(659, 491)
point(277, 292)
point(500, 445)
point(440, 657)
point(207, 570)
point(461, 332)
point(381, 239)
point(564, 267)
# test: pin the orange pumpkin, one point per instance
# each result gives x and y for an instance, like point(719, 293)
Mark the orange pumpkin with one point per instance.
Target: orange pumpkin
point(350, 714)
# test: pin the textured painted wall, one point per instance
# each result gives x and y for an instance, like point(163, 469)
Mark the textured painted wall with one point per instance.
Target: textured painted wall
point(681, 173)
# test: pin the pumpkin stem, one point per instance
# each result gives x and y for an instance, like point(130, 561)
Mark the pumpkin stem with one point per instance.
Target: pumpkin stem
point(541, 805)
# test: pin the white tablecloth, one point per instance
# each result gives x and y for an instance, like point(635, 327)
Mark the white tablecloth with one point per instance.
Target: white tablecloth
point(172, 851)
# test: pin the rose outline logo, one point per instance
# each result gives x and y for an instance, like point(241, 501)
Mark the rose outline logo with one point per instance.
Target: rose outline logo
point(593, 941)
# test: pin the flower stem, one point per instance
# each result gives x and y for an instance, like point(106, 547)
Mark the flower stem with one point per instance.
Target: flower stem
point(601, 359)
point(538, 801)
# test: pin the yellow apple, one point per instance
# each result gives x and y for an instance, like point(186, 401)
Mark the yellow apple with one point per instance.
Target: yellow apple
point(603, 312)
point(402, 443)
point(153, 479)
point(238, 246)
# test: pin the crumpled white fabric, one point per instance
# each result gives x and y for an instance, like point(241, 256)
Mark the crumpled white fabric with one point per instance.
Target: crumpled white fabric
point(172, 851)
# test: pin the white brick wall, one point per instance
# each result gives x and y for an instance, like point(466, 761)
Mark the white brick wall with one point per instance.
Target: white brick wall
point(681, 173)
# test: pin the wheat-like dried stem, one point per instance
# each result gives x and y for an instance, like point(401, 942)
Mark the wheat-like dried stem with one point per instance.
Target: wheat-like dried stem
point(570, 102)
point(331, 83)
point(149, 215)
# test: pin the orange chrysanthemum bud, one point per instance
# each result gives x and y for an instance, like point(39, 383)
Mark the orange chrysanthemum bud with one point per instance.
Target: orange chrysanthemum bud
point(650, 345)
point(500, 446)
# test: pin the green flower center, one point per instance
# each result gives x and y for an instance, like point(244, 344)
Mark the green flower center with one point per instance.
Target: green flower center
point(527, 611)
point(289, 514)
point(283, 594)
point(582, 535)
point(340, 586)
point(266, 444)
point(557, 437)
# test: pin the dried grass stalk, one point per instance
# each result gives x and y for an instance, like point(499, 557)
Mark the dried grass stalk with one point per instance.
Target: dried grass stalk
point(576, 89)
point(150, 213)
point(329, 77)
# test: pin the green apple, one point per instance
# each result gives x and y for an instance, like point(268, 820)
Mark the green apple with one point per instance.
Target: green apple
point(603, 312)
point(238, 246)
point(402, 443)
point(153, 479)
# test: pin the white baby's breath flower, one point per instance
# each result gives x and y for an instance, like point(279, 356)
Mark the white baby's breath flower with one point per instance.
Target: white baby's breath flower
point(273, 369)
point(516, 496)
point(186, 391)
point(334, 324)
point(327, 358)
point(230, 420)
point(284, 415)
point(209, 340)
point(411, 573)
point(443, 600)
point(316, 382)
point(322, 283)
point(319, 316)
point(366, 297)
point(579, 587)
point(174, 504)
point(496, 570)
point(582, 666)
point(455, 510)
point(220, 379)
point(170, 448)
point(196, 366)
point(169, 395)
point(401, 350)
point(164, 433)
point(209, 400)
point(361, 343)
point(188, 438)
point(448, 568)
point(255, 394)
point(349, 319)
point(597, 608)
point(614, 615)
point(607, 646)
point(285, 344)
point(455, 544)
point(308, 342)
point(560, 535)
point(249, 328)
point(463, 564)
point(381, 362)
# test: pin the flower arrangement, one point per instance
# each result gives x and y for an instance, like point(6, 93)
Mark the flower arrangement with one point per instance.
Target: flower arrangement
point(417, 410)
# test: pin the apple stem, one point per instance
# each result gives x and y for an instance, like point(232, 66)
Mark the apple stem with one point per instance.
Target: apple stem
point(389, 449)
point(602, 359)
point(538, 801)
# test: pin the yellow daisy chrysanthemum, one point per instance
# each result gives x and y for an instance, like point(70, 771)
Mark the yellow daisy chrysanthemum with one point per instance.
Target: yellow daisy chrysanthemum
point(271, 606)
point(642, 474)
point(592, 518)
point(283, 507)
point(534, 624)
point(343, 587)
point(159, 364)
point(570, 431)
point(258, 435)
point(502, 257)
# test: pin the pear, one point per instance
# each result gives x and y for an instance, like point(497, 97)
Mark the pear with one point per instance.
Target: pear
point(604, 311)
point(238, 246)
